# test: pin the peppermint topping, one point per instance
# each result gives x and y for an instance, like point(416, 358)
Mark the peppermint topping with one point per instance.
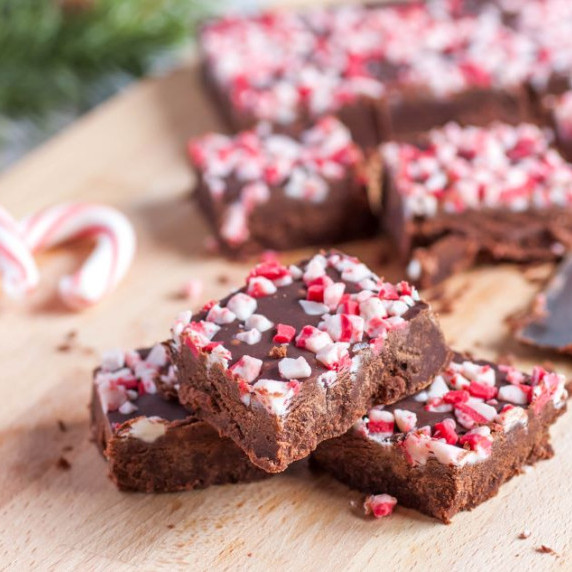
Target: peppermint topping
point(261, 162)
point(463, 168)
point(288, 66)
point(124, 376)
point(338, 324)
point(456, 419)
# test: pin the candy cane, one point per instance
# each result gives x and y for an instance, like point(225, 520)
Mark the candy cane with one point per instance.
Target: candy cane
point(17, 266)
point(106, 265)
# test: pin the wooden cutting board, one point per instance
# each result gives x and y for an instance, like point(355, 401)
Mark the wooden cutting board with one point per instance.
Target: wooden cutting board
point(130, 153)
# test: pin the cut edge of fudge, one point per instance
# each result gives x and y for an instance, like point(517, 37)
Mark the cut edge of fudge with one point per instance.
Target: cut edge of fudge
point(151, 443)
point(265, 190)
point(274, 367)
point(451, 447)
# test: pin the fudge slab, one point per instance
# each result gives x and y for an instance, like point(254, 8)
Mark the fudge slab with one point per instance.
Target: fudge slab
point(260, 189)
point(291, 68)
point(463, 195)
point(547, 325)
point(451, 447)
point(153, 444)
point(299, 354)
point(386, 72)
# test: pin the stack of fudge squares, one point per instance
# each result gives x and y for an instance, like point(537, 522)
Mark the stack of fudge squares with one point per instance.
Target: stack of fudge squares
point(322, 358)
point(447, 125)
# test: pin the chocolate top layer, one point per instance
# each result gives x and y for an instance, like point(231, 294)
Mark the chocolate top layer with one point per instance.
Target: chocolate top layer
point(321, 314)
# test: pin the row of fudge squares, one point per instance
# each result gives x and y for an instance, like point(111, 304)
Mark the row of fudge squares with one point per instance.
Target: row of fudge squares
point(290, 364)
point(390, 72)
point(455, 196)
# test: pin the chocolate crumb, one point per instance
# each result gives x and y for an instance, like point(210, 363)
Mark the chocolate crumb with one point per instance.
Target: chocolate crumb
point(62, 426)
point(249, 554)
point(176, 505)
point(278, 352)
point(543, 549)
point(223, 279)
point(170, 526)
point(234, 342)
point(67, 448)
point(63, 464)
point(524, 534)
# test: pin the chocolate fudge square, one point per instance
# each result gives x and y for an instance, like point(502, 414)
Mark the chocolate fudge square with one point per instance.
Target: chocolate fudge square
point(153, 444)
point(298, 354)
point(463, 195)
point(474, 74)
point(262, 190)
point(449, 448)
point(292, 68)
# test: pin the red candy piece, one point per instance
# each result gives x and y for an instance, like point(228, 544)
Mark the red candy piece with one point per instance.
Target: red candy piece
point(284, 334)
point(482, 390)
point(315, 293)
point(446, 430)
point(456, 397)
point(475, 442)
point(272, 270)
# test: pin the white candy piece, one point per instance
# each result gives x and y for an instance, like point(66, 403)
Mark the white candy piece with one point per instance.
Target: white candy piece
point(291, 368)
point(247, 368)
point(148, 429)
point(273, 395)
point(249, 337)
point(512, 394)
point(112, 360)
point(313, 308)
point(242, 305)
point(259, 322)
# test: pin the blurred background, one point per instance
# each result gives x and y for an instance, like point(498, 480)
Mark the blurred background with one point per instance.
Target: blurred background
point(60, 58)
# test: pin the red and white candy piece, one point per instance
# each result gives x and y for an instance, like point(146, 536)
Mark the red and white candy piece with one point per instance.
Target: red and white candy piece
point(17, 266)
point(107, 264)
point(379, 505)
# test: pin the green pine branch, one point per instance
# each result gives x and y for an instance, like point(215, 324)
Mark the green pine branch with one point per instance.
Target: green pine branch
point(53, 53)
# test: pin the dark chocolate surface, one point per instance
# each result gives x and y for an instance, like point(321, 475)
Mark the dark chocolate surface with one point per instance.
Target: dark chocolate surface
point(283, 308)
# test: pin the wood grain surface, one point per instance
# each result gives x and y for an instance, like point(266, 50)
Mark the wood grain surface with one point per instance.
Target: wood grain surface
point(130, 153)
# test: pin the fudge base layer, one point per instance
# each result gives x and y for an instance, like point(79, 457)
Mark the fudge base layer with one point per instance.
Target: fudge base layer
point(435, 489)
point(444, 244)
point(162, 448)
point(410, 358)
point(284, 223)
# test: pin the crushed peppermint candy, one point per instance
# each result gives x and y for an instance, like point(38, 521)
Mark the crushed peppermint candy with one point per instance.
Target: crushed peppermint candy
point(124, 376)
point(379, 505)
point(283, 67)
point(259, 162)
point(464, 168)
point(456, 419)
point(326, 315)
